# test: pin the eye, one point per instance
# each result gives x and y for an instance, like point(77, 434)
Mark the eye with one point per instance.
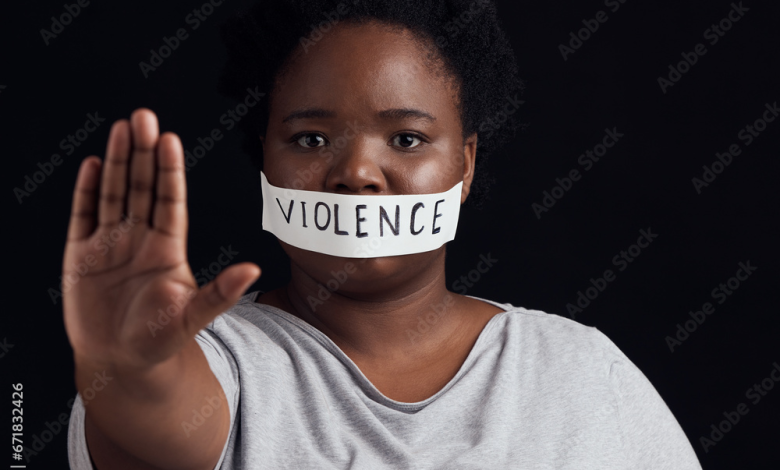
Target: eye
point(311, 141)
point(406, 140)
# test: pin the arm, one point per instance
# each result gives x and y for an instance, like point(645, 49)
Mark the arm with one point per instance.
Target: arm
point(652, 437)
point(133, 308)
point(144, 419)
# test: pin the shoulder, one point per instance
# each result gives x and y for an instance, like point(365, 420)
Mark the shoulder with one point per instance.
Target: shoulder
point(561, 351)
point(554, 339)
point(256, 330)
point(246, 313)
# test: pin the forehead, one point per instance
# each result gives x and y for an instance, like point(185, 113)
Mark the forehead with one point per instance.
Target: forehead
point(370, 63)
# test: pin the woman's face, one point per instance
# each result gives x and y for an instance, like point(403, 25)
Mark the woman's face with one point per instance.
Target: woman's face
point(365, 112)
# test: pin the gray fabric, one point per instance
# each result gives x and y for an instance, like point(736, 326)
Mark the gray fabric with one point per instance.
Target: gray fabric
point(537, 391)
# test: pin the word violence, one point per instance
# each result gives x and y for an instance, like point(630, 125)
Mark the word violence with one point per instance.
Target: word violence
point(322, 218)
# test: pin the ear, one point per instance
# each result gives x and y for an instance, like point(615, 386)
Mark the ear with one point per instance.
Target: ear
point(469, 161)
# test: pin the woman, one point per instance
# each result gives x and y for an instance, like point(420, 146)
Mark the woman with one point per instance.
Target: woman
point(358, 377)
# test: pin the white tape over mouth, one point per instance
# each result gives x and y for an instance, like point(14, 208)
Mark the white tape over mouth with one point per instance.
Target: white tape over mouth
point(360, 226)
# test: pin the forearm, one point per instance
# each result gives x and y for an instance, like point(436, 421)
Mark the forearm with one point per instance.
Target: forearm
point(172, 416)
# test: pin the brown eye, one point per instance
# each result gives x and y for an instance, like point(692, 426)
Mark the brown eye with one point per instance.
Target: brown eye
point(406, 140)
point(311, 141)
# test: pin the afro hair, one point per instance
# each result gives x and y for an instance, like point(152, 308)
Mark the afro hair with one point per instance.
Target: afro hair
point(465, 33)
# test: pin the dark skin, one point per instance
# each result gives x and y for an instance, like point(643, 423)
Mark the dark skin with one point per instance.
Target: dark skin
point(357, 74)
point(155, 374)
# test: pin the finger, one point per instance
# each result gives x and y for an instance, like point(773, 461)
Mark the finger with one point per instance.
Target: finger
point(145, 133)
point(218, 296)
point(113, 183)
point(82, 212)
point(170, 208)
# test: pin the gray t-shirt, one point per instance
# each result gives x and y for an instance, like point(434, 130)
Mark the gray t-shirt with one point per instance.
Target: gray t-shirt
point(537, 391)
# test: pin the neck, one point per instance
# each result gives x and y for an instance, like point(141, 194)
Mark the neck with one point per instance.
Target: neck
point(385, 321)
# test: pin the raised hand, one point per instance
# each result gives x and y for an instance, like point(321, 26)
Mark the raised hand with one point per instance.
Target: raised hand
point(126, 254)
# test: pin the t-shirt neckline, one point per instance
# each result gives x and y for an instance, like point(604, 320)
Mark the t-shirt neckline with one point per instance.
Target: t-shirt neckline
point(367, 385)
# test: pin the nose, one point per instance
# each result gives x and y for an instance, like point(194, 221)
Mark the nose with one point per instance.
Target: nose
point(356, 169)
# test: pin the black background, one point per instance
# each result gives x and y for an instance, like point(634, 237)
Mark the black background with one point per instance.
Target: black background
point(643, 182)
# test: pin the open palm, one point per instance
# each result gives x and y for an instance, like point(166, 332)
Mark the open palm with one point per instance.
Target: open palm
point(132, 298)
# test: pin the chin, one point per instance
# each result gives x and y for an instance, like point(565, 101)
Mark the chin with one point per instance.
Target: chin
point(363, 270)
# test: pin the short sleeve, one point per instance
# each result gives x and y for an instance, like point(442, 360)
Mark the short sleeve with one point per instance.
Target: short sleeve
point(652, 437)
point(222, 364)
point(225, 368)
point(78, 455)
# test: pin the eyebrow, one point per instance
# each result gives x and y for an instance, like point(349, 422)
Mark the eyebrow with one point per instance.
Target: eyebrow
point(310, 113)
point(405, 113)
point(388, 114)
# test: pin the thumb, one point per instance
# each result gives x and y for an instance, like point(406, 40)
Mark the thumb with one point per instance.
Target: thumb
point(219, 295)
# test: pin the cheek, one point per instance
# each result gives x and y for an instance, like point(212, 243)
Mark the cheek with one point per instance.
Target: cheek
point(297, 171)
point(452, 166)
point(439, 171)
